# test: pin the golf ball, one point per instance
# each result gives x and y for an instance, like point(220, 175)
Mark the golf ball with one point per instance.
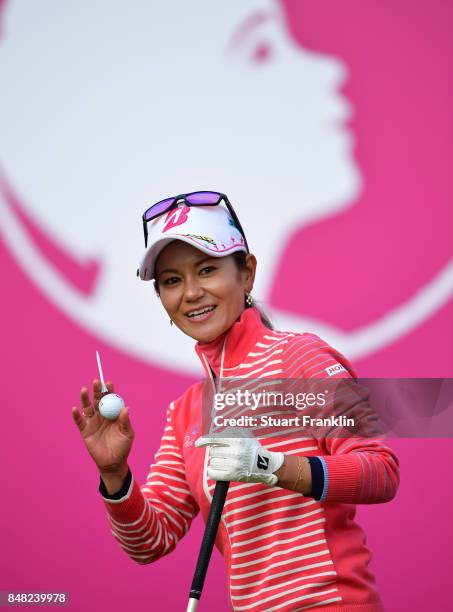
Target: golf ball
point(110, 406)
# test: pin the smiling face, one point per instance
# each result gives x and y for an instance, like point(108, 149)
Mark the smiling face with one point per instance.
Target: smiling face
point(202, 295)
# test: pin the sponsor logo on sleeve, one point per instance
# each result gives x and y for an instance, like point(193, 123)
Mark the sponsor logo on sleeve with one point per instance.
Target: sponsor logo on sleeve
point(335, 369)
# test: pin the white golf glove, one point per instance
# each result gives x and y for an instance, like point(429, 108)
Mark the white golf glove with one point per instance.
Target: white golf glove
point(241, 459)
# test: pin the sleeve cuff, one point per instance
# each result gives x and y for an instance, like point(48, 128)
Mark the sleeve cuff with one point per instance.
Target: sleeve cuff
point(342, 478)
point(119, 494)
point(317, 478)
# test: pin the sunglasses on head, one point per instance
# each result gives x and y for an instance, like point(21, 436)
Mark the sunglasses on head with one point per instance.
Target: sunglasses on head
point(195, 198)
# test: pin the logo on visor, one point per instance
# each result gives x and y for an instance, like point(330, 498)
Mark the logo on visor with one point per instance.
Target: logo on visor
point(204, 238)
point(176, 217)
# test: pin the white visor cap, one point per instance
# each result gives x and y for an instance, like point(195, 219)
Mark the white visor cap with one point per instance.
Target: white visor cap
point(209, 229)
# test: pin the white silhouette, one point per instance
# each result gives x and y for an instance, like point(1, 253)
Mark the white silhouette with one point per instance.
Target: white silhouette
point(108, 108)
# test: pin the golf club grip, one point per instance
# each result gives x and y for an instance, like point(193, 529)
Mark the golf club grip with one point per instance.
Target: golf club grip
point(207, 544)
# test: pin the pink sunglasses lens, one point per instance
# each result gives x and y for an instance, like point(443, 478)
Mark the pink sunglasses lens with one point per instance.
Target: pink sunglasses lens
point(158, 208)
point(204, 197)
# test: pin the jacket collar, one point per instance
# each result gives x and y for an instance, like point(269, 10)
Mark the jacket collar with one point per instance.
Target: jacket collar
point(230, 348)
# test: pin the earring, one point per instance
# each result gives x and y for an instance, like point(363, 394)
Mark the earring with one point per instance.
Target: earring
point(171, 321)
point(248, 299)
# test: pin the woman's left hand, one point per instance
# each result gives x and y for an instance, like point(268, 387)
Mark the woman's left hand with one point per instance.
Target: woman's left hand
point(241, 459)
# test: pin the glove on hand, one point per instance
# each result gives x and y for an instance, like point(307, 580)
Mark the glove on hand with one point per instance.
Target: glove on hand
point(241, 459)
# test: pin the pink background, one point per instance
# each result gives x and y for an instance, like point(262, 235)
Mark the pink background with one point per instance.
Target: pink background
point(54, 531)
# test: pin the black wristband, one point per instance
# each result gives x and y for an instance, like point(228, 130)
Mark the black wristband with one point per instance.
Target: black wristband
point(119, 494)
point(317, 477)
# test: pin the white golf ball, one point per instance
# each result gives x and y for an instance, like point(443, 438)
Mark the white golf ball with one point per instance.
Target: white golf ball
point(110, 406)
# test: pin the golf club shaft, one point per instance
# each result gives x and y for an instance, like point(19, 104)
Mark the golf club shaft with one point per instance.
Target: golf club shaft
point(207, 544)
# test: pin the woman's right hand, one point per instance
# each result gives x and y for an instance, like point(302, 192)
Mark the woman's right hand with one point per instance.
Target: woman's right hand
point(108, 442)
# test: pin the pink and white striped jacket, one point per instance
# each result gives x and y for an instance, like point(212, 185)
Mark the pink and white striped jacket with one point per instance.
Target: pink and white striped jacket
point(282, 551)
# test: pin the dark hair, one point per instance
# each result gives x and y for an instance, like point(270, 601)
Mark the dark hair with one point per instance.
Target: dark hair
point(240, 261)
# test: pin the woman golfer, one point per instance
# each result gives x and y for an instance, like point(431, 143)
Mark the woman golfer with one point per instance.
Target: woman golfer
point(287, 533)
